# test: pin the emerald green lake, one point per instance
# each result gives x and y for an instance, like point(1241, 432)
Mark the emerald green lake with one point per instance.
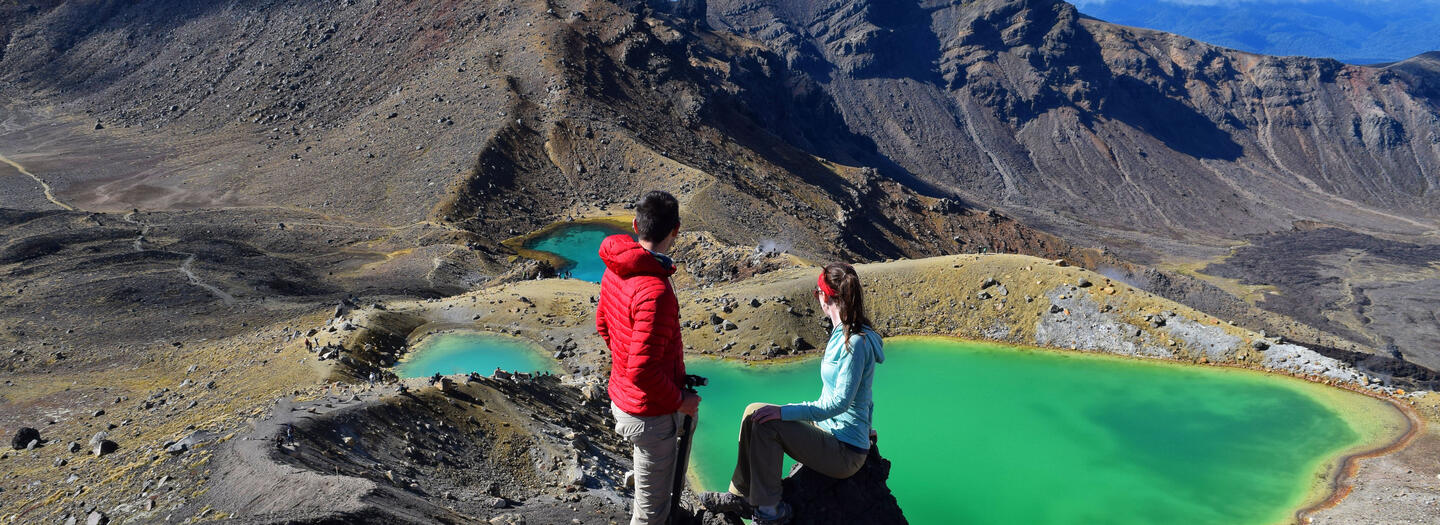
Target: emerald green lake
point(979, 434)
point(578, 246)
point(984, 434)
point(465, 352)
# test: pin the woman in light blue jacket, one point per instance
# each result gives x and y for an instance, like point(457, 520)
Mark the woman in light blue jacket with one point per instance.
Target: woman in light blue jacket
point(830, 435)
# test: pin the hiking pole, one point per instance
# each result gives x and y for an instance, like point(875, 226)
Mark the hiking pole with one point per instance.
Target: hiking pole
point(683, 438)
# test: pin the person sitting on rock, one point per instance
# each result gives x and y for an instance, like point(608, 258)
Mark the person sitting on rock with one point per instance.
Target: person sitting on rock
point(638, 316)
point(830, 435)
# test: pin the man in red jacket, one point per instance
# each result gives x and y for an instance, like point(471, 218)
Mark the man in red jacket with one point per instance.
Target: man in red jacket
point(639, 318)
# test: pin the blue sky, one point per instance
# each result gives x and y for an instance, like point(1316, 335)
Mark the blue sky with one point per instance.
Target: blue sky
point(1357, 31)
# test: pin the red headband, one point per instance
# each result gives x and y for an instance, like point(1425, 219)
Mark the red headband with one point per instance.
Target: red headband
point(824, 286)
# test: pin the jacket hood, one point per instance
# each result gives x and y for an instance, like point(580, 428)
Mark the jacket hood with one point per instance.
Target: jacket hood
point(625, 257)
point(870, 336)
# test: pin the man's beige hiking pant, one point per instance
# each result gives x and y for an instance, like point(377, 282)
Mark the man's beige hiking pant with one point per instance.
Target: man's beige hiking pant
point(653, 441)
point(763, 447)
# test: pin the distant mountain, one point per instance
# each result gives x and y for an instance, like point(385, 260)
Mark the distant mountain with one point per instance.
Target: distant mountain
point(1354, 32)
point(1031, 107)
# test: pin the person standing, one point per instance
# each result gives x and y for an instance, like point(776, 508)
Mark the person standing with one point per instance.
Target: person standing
point(638, 316)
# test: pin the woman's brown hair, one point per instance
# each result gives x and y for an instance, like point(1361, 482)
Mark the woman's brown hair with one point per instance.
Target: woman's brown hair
point(848, 296)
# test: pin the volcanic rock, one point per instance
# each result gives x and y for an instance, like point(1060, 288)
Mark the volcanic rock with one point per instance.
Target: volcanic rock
point(862, 498)
point(104, 447)
point(23, 437)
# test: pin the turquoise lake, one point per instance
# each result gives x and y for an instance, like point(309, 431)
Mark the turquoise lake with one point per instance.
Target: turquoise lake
point(577, 245)
point(465, 352)
point(979, 433)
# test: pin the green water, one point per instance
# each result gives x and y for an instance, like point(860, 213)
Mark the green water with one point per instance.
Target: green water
point(982, 435)
point(462, 353)
point(991, 435)
point(578, 245)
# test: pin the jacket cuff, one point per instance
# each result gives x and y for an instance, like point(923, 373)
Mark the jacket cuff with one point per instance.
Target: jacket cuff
point(792, 413)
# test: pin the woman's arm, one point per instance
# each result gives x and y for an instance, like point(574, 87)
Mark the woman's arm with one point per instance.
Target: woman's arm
point(834, 401)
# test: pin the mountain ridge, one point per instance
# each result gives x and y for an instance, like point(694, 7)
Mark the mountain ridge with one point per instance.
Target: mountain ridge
point(1040, 65)
point(862, 130)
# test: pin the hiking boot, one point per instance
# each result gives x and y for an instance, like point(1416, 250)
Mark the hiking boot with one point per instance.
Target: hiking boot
point(724, 503)
point(782, 516)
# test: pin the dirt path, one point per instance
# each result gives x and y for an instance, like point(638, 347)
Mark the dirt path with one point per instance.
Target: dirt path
point(195, 280)
point(185, 267)
point(49, 194)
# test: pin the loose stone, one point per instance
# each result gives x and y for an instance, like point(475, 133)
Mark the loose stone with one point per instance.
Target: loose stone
point(104, 447)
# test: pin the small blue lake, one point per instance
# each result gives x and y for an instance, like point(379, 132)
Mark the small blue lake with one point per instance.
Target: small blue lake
point(577, 245)
point(465, 352)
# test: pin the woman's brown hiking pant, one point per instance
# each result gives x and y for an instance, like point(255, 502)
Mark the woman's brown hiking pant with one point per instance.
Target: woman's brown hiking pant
point(762, 451)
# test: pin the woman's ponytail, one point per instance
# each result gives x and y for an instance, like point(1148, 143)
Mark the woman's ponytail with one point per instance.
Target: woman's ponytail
point(849, 297)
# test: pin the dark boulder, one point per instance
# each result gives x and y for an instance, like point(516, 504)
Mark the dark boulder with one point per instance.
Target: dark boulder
point(24, 437)
point(821, 500)
point(862, 498)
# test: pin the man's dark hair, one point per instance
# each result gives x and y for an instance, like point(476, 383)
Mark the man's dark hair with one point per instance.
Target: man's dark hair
point(656, 215)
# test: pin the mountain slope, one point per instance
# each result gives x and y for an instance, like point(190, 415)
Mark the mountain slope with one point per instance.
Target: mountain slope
point(497, 119)
point(1030, 106)
point(859, 130)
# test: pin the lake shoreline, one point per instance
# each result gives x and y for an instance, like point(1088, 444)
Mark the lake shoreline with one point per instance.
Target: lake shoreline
point(1339, 483)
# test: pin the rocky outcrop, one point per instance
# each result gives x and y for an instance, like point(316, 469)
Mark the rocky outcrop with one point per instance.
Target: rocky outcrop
point(863, 498)
point(511, 447)
point(817, 499)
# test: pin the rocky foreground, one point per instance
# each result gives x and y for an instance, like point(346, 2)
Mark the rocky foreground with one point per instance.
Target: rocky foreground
point(323, 432)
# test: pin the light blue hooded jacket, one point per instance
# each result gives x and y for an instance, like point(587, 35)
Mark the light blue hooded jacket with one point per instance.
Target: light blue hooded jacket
point(845, 404)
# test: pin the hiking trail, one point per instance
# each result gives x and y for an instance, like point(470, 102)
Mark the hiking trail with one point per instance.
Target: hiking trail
point(185, 267)
point(49, 193)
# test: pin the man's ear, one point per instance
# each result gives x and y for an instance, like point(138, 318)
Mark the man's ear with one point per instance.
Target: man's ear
point(635, 223)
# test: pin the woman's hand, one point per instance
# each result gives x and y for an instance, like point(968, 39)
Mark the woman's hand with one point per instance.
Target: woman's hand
point(765, 413)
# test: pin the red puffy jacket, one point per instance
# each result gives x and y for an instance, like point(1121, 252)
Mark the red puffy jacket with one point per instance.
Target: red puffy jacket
point(639, 318)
